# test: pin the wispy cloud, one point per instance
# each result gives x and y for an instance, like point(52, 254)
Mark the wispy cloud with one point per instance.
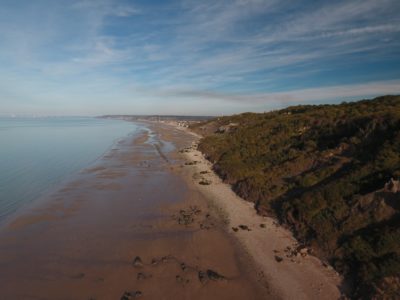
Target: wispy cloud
point(333, 93)
point(244, 53)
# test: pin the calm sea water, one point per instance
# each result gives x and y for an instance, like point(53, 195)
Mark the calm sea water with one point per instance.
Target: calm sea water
point(38, 153)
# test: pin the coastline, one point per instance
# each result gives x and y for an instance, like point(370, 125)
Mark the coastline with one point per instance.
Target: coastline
point(292, 273)
point(139, 219)
point(84, 241)
point(40, 169)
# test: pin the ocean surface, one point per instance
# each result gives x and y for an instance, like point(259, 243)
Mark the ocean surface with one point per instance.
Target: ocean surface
point(36, 154)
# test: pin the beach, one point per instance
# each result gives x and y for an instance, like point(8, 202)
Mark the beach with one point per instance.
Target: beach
point(152, 220)
point(115, 231)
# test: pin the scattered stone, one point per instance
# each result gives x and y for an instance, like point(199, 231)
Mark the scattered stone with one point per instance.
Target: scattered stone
point(204, 172)
point(202, 277)
point(205, 182)
point(131, 295)
point(235, 229)
point(137, 262)
point(278, 258)
point(154, 261)
point(138, 294)
point(214, 275)
point(244, 227)
point(142, 276)
point(126, 296)
point(302, 250)
point(183, 266)
point(328, 266)
point(210, 275)
point(186, 217)
point(263, 226)
point(179, 279)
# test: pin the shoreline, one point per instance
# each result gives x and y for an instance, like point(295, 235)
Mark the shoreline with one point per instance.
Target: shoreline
point(65, 179)
point(144, 201)
point(289, 269)
point(84, 241)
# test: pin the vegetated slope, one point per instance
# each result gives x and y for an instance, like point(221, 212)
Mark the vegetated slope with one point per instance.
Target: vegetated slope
point(329, 172)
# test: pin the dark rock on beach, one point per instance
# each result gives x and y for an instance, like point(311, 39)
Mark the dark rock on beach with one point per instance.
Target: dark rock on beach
point(137, 262)
point(210, 275)
point(244, 227)
point(214, 275)
point(202, 277)
point(131, 295)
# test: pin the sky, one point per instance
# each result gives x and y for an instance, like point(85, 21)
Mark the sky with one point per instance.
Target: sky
point(209, 57)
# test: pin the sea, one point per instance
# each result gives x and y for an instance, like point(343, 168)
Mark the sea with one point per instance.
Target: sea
point(37, 154)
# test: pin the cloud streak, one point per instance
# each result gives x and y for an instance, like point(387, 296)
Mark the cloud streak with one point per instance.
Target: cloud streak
point(250, 54)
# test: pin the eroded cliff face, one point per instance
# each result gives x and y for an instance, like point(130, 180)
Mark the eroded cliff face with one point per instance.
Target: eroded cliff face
point(330, 172)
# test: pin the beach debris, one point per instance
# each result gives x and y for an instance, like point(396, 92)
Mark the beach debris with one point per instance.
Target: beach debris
point(186, 217)
point(191, 163)
point(206, 225)
point(202, 277)
point(214, 275)
point(297, 251)
point(131, 295)
point(210, 275)
point(205, 181)
point(204, 172)
point(278, 258)
point(137, 262)
point(142, 276)
point(179, 279)
point(155, 261)
point(235, 229)
point(183, 266)
point(302, 250)
point(244, 227)
point(184, 150)
point(263, 225)
point(138, 294)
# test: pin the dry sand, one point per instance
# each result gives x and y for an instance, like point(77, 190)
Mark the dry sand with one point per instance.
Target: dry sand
point(81, 242)
point(293, 277)
point(141, 200)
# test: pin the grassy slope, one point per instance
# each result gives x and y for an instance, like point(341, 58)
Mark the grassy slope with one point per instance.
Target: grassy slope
point(322, 170)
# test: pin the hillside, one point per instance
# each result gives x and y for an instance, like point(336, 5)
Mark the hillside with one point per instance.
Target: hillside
point(330, 173)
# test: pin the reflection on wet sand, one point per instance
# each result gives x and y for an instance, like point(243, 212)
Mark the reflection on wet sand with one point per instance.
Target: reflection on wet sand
point(82, 242)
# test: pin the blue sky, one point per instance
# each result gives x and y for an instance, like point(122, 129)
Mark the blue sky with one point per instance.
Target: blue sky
point(91, 57)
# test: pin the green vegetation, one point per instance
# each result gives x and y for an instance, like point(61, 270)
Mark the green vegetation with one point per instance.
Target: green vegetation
point(325, 171)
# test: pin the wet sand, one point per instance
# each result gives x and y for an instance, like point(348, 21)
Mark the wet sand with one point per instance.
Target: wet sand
point(289, 269)
point(131, 225)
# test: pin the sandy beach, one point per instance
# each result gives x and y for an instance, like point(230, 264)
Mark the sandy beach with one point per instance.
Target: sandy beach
point(140, 224)
point(131, 226)
point(287, 267)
